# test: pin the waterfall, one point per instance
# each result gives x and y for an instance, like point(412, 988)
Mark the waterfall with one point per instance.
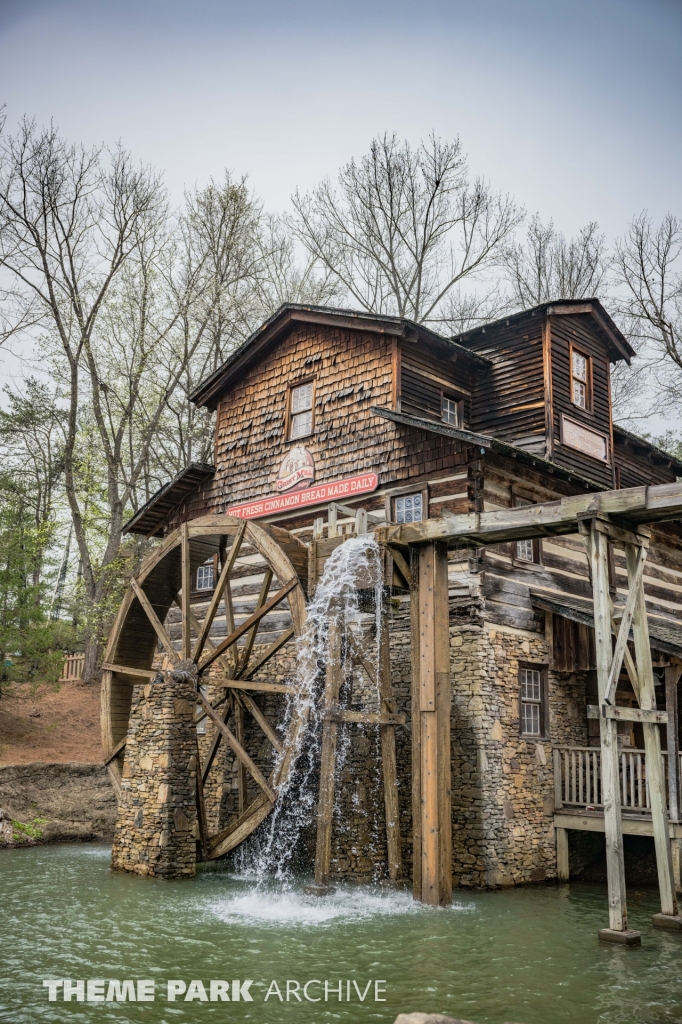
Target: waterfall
point(336, 597)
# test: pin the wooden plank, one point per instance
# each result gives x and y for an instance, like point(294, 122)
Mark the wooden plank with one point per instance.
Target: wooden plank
point(154, 619)
point(672, 675)
point(201, 807)
point(366, 717)
point(249, 684)
point(117, 750)
point(263, 658)
point(186, 577)
point(325, 805)
point(238, 831)
point(142, 673)
point(597, 551)
point(639, 504)
point(652, 743)
point(254, 770)
point(415, 695)
point(215, 742)
point(241, 770)
point(251, 637)
point(627, 714)
point(251, 706)
point(225, 644)
point(388, 753)
point(562, 868)
point(223, 581)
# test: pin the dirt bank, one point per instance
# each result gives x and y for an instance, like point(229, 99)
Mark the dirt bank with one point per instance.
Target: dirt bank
point(76, 800)
point(52, 726)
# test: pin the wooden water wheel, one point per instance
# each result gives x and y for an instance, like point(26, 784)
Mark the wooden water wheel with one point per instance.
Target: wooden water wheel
point(254, 606)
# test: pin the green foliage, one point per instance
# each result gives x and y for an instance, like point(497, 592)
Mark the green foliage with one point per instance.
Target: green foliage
point(22, 833)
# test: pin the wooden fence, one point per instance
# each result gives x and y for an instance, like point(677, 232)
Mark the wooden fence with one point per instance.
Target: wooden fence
point(72, 667)
point(577, 778)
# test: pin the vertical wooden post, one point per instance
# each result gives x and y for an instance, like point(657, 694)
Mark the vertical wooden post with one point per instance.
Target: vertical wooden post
point(201, 808)
point(672, 675)
point(416, 728)
point(186, 588)
point(325, 805)
point(597, 550)
point(434, 722)
point(388, 756)
point(652, 744)
point(562, 870)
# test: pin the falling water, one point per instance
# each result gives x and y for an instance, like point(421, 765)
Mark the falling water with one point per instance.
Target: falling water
point(336, 596)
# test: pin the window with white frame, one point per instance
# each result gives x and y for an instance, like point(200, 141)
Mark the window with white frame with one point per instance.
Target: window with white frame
point(449, 410)
point(409, 509)
point(525, 550)
point(580, 379)
point(531, 688)
point(205, 577)
point(301, 411)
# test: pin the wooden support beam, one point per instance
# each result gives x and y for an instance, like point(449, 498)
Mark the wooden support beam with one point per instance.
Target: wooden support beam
point(627, 714)
point(325, 804)
point(155, 621)
point(241, 770)
point(626, 621)
point(652, 743)
point(142, 673)
point(659, 503)
point(186, 586)
point(434, 723)
point(672, 676)
point(596, 544)
point(562, 868)
point(223, 581)
point(415, 659)
point(365, 717)
point(201, 807)
point(388, 755)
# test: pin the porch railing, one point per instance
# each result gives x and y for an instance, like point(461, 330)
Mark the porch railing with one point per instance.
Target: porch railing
point(577, 778)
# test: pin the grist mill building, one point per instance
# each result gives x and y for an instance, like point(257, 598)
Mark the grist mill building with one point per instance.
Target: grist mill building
point(330, 422)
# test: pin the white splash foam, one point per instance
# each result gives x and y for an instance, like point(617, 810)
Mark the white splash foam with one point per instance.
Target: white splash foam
point(276, 907)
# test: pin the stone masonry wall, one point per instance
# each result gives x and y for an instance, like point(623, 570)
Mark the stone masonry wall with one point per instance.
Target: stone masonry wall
point(156, 828)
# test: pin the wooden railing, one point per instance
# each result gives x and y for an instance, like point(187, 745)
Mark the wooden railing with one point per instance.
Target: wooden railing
point(72, 667)
point(577, 778)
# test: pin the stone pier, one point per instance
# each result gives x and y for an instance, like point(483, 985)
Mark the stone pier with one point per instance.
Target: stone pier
point(156, 828)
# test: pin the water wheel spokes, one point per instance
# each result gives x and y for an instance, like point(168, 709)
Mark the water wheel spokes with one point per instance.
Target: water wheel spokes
point(254, 609)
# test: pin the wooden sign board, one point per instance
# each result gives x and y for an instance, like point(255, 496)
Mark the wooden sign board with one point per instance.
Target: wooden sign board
point(339, 490)
point(583, 439)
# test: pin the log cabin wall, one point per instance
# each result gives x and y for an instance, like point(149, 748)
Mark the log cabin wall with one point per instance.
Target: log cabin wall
point(509, 399)
point(637, 464)
point(426, 377)
point(576, 331)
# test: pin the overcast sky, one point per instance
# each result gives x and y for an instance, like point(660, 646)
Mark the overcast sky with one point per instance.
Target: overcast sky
point(572, 106)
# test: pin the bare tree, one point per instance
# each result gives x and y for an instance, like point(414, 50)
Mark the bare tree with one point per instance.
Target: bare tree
point(648, 268)
point(405, 227)
point(547, 266)
point(126, 301)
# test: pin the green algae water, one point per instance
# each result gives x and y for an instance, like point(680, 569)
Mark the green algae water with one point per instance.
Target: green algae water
point(529, 955)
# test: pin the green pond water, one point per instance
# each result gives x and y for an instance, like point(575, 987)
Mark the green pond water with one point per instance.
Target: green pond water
point(529, 955)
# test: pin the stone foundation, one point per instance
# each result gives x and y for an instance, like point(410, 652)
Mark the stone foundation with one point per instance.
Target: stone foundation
point(156, 829)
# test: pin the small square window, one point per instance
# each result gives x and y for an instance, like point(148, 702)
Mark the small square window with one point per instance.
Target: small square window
point(532, 700)
point(409, 509)
point(205, 577)
point(301, 421)
point(450, 411)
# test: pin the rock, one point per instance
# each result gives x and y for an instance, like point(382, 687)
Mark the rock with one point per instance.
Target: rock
point(77, 800)
point(428, 1018)
point(34, 714)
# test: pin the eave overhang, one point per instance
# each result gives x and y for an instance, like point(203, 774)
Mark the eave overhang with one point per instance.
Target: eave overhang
point(485, 442)
point(149, 519)
point(665, 634)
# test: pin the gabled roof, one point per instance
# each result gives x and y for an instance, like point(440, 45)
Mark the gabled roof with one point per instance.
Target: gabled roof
point(618, 345)
point(209, 391)
point(155, 512)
